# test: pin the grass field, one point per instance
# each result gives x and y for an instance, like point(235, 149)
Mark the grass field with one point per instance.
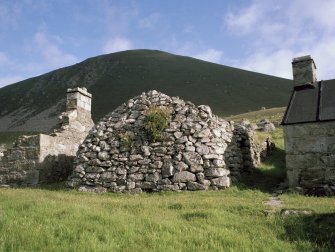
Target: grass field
point(230, 220)
point(235, 219)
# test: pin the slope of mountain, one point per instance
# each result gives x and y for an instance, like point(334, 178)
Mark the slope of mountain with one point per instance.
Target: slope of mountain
point(35, 103)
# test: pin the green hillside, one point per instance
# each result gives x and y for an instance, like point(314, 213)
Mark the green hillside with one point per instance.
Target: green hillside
point(116, 77)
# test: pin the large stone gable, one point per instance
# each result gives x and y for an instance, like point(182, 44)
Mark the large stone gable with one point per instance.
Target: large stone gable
point(117, 155)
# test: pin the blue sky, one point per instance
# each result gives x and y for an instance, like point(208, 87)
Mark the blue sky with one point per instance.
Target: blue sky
point(38, 36)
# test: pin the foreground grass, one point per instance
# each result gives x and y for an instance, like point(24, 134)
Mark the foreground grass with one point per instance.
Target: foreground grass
point(230, 220)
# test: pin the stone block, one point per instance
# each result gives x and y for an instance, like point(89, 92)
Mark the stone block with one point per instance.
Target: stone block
point(183, 176)
point(167, 169)
point(136, 177)
point(216, 172)
point(194, 186)
point(221, 182)
point(196, 168)
point(181, 166)
point(109, 177)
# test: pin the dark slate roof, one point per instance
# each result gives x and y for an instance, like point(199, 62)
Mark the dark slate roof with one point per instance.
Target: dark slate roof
point(311, 103)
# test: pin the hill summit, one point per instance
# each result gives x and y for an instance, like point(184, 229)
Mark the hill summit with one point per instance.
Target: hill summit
point(34, 104)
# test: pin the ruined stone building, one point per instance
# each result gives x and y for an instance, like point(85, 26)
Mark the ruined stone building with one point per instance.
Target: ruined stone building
point(309, 131)
point(44, 158)
point(197, 151)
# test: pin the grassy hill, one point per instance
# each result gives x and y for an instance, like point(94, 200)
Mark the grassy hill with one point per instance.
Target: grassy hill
point(34, 104)
point(275, 115)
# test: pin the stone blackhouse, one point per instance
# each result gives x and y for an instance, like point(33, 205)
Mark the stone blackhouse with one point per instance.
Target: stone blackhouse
point(309, 131)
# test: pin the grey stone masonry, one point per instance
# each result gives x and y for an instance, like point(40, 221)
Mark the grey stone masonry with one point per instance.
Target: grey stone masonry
point(310, 157)
point(198, 149)
point(44, 158)
point(304, 70)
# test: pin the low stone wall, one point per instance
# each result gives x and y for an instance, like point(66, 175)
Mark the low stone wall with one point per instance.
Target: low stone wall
point(310, 157)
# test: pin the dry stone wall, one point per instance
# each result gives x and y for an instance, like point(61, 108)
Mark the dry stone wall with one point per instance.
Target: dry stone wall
point(44, 158)
point(198, 151)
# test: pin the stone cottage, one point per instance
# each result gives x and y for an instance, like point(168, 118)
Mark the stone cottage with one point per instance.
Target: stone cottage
point(42, 158)
point(197, 151)
point(309, 131)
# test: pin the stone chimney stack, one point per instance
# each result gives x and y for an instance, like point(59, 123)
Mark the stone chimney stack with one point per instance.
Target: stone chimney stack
point(79, 99)
point(304, 71)
point(78, 106)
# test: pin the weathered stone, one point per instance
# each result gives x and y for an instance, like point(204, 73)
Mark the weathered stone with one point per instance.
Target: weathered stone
point(121, 171)
point(166, 181)
point(219, 163)
point(192, 158)
point(135, 157)
point(268, 127)
point(196, 168)
point(221, 182)
point(211, 156)
point(167, 169)
point(203, 134)
point(136, 177)
point(183, 176)
point(203, 149)
point(94, 169)
point(216, 172)
point(108, 177)
point(145, 150)
point(181, 166)
point(154, 177)
point(147, 185)
point(156, 164)
point(103, 155)
point(94, 189)
point(200, 177)
point(220, 149)
point(193, 186)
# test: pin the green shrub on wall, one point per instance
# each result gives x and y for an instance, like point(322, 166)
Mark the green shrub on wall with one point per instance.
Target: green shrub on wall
point(156, 121)
point(128, 139)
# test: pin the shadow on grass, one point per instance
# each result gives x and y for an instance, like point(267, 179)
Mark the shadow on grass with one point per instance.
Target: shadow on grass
point(318, 229)
point(268, 175)
point(57, 186)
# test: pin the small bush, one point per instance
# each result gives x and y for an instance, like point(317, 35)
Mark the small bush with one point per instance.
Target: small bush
point(128, 139)
point(155, 122)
